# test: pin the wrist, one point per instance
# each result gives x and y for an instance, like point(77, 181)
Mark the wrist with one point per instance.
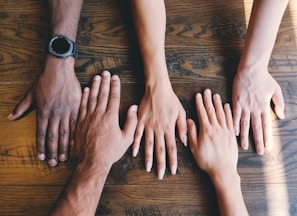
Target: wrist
point(93, 169)
point(226, 181)
point(59, 65)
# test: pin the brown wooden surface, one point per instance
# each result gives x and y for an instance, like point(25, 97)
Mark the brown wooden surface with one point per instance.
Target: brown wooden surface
point(203, 46)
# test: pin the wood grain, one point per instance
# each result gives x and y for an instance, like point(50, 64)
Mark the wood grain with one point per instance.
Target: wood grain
point(204, 42)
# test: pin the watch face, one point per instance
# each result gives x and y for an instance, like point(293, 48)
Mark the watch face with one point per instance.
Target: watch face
point(61, 46)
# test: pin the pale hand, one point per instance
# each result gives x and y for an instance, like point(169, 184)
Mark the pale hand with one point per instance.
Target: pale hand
point(160, 110)
point(252, 94)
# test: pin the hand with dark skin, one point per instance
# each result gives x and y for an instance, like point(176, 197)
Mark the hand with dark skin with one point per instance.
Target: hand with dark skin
point(56, 95)
point(56, 92)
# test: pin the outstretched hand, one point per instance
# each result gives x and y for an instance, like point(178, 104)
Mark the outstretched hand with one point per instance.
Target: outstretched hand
point(99, 138)
point(252, 94)
point(160, 110)
point(56, 96)
point(215, 149)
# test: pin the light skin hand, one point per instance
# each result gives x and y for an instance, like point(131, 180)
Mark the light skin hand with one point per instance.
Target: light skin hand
point(215, 151)
point(160, 110)
point(251, 103)
point(99, 143)
point(56, 96)
point(254, 87)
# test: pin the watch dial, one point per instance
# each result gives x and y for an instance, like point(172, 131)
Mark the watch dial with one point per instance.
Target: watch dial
point(60, 45)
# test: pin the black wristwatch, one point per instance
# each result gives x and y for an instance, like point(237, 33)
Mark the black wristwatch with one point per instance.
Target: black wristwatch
point(61, 47)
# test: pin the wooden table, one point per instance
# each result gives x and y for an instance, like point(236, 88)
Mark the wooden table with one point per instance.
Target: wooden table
point(204, 41)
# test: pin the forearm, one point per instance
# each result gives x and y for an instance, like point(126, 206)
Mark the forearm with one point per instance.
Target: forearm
point(65, 16)
point(262, 31)
point(229, 195)
point(150, 24)
point(82, 195)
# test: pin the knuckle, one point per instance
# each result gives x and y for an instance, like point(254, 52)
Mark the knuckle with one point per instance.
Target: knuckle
point(51, 137)
point(63, 133)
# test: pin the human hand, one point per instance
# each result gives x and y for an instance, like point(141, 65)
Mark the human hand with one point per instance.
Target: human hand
point(56, 96)
point(99, 138)
point(215, 149)
point(160, 110)
point(252, 94)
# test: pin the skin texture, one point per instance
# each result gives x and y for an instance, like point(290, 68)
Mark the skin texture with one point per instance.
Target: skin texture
point(99, 143)
point(160, 109)
point(215, 151)
point(56, 92)
point(254, 88)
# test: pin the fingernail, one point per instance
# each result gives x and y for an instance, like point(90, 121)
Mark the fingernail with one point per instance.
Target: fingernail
point(185, 140)
point(105, 73)
point(41, 157)
point(245, 146)
point(236, 132)
point(282, 115)
point(161, 174)
point(62, 157)
point(260, 151)
point(148, 166)
point(9, 116)
point(114, 77)
point(134, 152)
point(134, 108)
point(173, 169)
point(52, 162)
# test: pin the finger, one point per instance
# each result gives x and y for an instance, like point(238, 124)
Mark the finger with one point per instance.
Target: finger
point(83, 104)
point(160, 154)
point(267, 129)
point(192, 133)
point(130, 125)
point(114, 95)
point(219, 110)
point(24, 106)
point(63, 139)
point(237, 112)
point(171, 150)
point(72, 125)
point(279, 103)
point(137, 139)
point(149, 148)
point(104, 92)
point(209, 107)
point(182, 126)
point(257, 132)
point(201, 112)
point(41, 128)
point(228, 115)
point(52, 141)
point(244, 130)
point(92, 102)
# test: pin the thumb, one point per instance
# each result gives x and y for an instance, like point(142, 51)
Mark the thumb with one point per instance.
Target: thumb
point(279, 103)
point(23, 107)
point(130, 125)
